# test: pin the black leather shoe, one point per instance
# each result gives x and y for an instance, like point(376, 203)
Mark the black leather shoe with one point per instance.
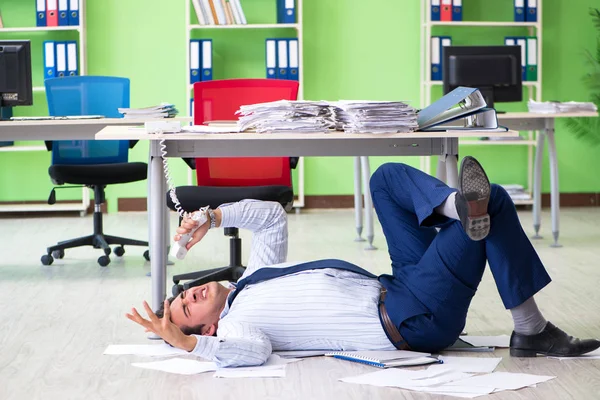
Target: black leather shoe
point(472, 199)
point(550, 342)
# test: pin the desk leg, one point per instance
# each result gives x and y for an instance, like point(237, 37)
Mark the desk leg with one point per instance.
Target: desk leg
point(452, 170)
point(441, 169)
point(358, 204)
point(537, 185)
point(366, 170)
point(157, 239)
point(554, 188)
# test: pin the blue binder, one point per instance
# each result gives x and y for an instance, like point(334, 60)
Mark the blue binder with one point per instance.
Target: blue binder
point(286, 12)
point(72, 59)
point(40, 12)
point(435, 10)
point(271, 58)
point(531, 11)
point(74, 12)
point(436, 58)
point(63, 12)
point(282, 59)
point(293, 56)
point(206, 59)
point(522, 41)
point(195, 61)
point(519, 10)
point(457, 10)
point(49, 59)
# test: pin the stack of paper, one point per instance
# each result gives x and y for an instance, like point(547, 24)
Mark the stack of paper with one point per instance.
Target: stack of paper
point(164, 110)
point(286, 116)
point(516, 192)
point(552, 107)
point(375, 116)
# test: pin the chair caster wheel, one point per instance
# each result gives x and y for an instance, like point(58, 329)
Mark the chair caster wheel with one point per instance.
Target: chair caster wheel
point(107, 251)
point(47, 259)
point(147, 255)
point(119, 251)
point(58, 254)
point(103, 261)
point(177, 289)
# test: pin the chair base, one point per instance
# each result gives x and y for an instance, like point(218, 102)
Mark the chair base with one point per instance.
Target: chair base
point(230, 273)
point(97, 241)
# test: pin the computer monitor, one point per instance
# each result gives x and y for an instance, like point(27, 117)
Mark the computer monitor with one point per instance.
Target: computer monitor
point(494, 70)
point(15, 73)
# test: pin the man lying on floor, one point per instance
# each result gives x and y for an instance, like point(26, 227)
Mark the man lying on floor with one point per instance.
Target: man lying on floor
point(335, 305)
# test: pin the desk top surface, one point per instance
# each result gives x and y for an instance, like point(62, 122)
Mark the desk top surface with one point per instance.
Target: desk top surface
point(85, 122)
point(529, 115)
point(136, 133)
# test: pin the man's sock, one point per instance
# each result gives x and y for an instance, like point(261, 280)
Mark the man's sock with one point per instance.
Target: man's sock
point(448, 207)
point(527, 318)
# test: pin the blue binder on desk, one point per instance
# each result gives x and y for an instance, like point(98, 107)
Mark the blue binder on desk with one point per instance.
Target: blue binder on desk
point(63, 12)
point(435, 10)
point(460, 102)
point(286, 12)
point(271, 58)
point(40, 13)
point(49, 59)
point(519, 10)
point(531, 11)
point(282, 59)
point(74, 12)
point(194, 61)
point(207, 60)
point(457, 10)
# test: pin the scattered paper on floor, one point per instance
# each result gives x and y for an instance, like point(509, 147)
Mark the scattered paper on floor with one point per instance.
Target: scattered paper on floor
point(491, 341)
point(155, 350)
point(181, 366)
point(468, 364)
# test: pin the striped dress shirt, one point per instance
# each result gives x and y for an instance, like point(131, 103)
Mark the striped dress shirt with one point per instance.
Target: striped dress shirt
point(325, 309)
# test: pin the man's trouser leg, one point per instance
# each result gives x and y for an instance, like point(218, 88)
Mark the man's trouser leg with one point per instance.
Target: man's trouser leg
point(444, 269)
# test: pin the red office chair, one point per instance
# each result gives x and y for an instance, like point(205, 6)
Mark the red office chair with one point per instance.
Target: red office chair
point(225, 180)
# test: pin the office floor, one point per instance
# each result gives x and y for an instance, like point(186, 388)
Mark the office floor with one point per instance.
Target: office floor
point(55, 321)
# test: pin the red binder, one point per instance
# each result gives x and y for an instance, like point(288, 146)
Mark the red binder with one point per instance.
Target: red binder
point(52, 12)
point(446, 10)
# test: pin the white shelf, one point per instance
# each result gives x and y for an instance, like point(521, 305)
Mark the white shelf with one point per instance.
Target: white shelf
point(9, 149)
point(497, 142)
point(527, 202)
point(485, 23)
point(39, 88)
point(247, 26)
point(42, 207)
point(42, 29)
point(440, 83)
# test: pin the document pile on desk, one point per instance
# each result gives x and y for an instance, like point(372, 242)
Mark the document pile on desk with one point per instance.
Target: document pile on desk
point(163, 110)
point(286, 116)
point(555, 107)
point(354, 116)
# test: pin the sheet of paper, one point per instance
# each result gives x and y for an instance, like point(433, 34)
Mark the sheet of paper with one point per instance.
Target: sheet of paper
point(502, 380)
point(181, 366)
point(155, 350)
point(468, 392)
point(468, 364)
point(593, 355)
point(493, 341)
point(407, 379)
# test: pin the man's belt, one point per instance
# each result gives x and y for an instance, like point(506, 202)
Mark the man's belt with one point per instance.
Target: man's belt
point(388, 326)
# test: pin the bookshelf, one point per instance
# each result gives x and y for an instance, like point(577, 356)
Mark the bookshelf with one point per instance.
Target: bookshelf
point(251, 25)
point(533, 88)
point(7, 33)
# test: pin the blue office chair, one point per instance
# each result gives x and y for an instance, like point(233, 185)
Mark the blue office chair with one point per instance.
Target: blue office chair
point(87, 162)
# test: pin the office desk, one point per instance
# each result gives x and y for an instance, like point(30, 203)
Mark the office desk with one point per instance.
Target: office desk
point(521, 121)
point(258, 145)
point(78, 129)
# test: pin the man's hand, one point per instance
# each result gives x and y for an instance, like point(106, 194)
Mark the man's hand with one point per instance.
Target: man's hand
point(163, 327)
point(187, 224)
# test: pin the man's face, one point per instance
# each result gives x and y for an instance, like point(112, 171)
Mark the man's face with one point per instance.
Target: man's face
point(199, 305)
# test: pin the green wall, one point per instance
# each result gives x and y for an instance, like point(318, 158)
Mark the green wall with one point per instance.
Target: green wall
point(353, 49)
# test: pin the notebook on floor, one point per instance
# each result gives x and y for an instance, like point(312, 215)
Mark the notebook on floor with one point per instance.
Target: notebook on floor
point(386, 359)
